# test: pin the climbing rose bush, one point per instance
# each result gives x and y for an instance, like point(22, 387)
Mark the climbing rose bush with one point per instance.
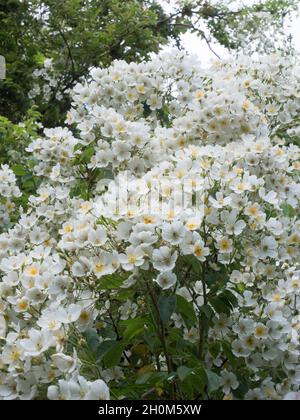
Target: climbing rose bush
point(159, 257)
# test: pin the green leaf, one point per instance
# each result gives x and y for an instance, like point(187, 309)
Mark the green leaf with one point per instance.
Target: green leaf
point(113, 356)
point(107, 174)
point(215, 348)
point(216, 278)
point(92, 339)
point(103, 348)
point(142, 379)
point(183, 372)
point(111, 281)
point(186, 309)
point(220, 305)
point(193, 262)
point(241, 390)
point(86, 155)
point(288, 210)
point(19, 170)
point(198, 378)
point(228, 353)
point(227, 295)
point(212, 278)
point(207, 311)
point(166, 305)
point(214, 381)
point(134, 327)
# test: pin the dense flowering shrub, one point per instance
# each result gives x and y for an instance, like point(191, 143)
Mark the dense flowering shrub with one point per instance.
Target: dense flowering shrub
point(8, 192)
point(160, 254)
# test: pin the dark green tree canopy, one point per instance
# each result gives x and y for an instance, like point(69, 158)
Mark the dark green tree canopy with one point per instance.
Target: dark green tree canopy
point(76, 34)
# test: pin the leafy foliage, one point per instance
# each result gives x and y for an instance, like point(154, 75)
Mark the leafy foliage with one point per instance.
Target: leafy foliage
point(77, 35)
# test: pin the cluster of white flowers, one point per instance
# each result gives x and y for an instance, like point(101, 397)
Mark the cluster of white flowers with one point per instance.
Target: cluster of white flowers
point(54, 154)
point(137, 115)
point(201, 209)
point(46, 83)
point(8, 191)
point(272, 84)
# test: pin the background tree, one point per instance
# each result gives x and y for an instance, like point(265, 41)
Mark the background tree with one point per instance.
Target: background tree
point(241, 26)
point(76, 35)
point(79, 34)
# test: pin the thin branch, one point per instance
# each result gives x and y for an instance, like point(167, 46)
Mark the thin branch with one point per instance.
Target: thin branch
point(68, 48)
point(201, 32)
point(209, 46)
